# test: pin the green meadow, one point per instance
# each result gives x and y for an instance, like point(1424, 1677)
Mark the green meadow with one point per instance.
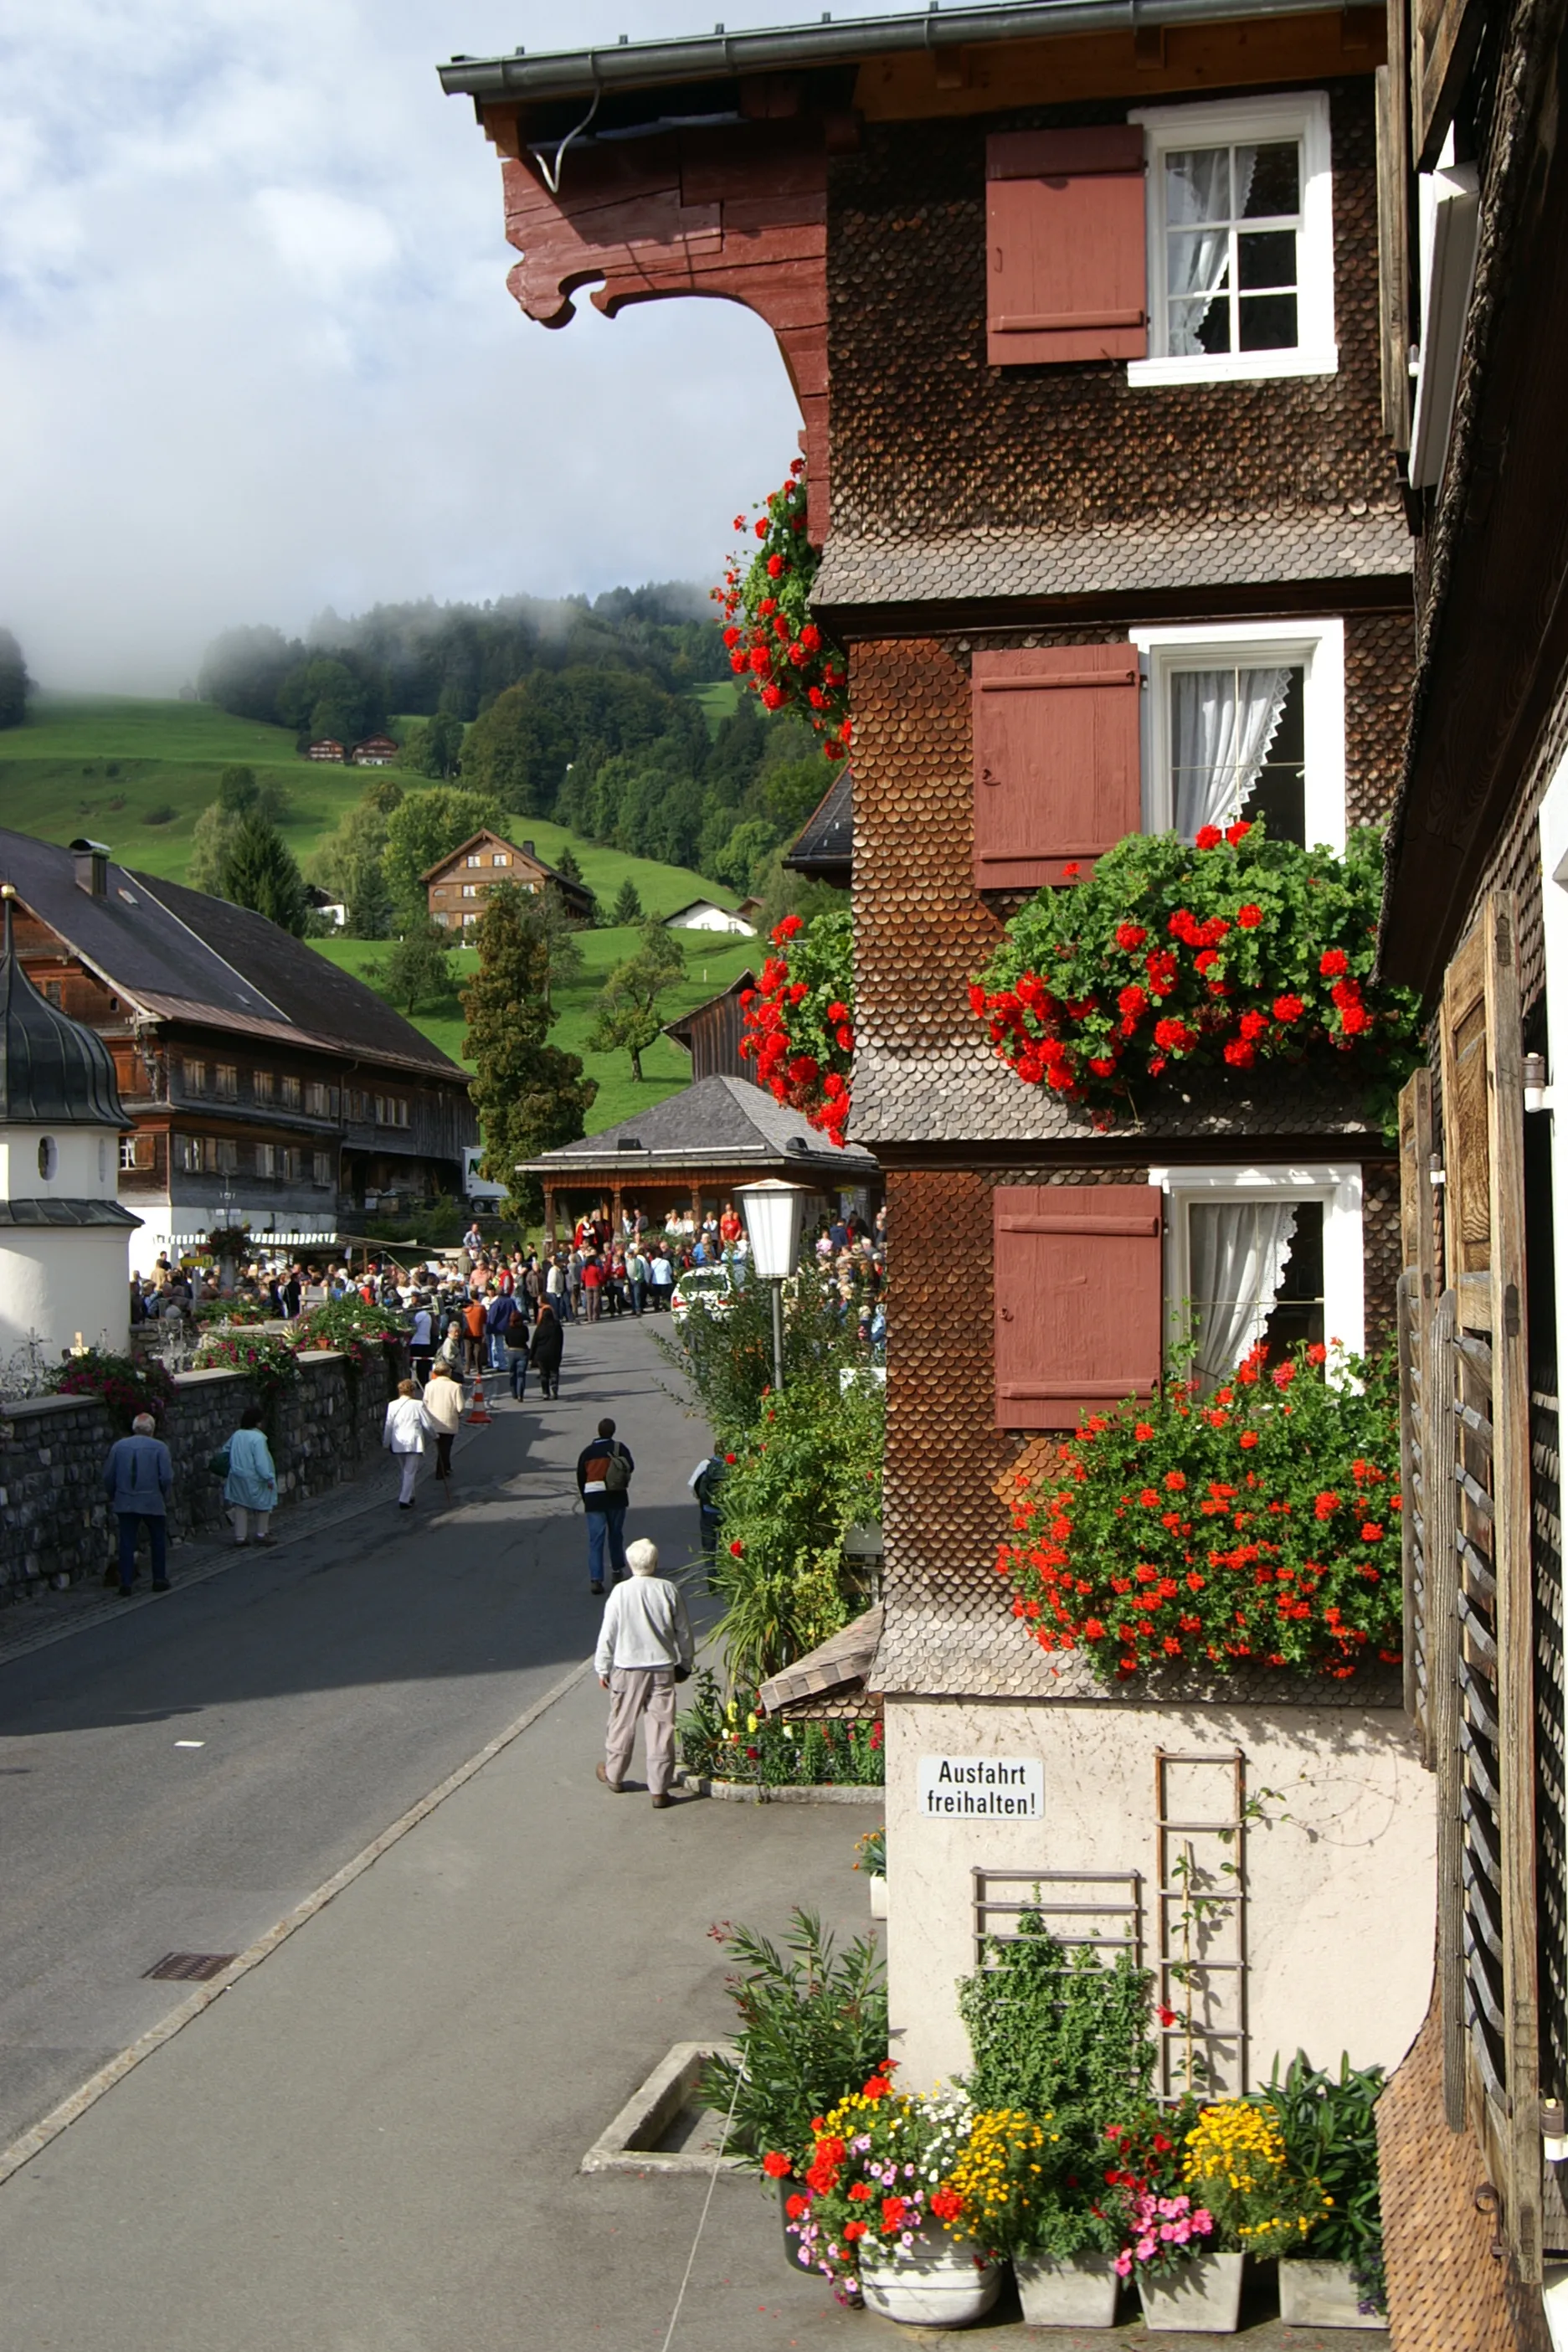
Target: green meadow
point(107, 765)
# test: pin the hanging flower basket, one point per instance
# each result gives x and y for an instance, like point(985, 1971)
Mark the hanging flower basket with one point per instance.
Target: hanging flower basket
point(798, 1023)
point(766, 603)
point(1228, 953)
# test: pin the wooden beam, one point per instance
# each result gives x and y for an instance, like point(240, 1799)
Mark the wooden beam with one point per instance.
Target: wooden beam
point(1443, 37)
point(1396, 210)
point(917, 85)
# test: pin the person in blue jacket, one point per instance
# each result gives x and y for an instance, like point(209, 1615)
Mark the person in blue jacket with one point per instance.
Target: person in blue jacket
point(139, 1478)
point(250, 1490)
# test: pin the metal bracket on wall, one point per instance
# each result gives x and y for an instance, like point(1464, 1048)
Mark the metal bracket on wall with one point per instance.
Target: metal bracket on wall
point(1067, 1903)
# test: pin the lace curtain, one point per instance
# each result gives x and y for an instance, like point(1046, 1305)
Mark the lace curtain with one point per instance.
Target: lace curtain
point(1236, 1252)
point(1222, 724)
point(1197, 244)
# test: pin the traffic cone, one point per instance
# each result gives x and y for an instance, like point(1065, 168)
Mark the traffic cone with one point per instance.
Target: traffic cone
point(478, 1413)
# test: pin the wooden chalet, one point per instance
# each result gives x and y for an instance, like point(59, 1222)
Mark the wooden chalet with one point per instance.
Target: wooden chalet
point(327, 748)
point(711, 1034)
point(262, 1085)
point(458, 885)
point(690, 1152)
point(375, 752)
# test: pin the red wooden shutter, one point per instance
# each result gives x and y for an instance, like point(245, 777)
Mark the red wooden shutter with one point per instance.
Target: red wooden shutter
point(1064, 236)
point(1056, 761)
point(1079, 1299)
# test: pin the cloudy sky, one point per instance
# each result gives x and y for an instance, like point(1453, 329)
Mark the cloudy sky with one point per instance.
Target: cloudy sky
point(256, 353)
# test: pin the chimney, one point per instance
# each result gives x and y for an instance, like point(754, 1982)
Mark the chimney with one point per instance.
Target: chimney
point(527, 849)
point(91, 859)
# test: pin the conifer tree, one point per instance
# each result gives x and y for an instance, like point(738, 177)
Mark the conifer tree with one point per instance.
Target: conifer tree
point(529, 1096)
point(259, 872)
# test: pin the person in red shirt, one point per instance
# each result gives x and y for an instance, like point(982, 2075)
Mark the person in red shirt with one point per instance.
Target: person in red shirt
point(593, 1283)
point(729, 1226)
point(474, 1316)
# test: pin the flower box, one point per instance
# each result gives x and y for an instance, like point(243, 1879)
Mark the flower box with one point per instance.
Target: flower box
point(1323, 2294)
point(878, 1885)
point(941, 2283)
point(1203, 2296)
point(1080, 2292)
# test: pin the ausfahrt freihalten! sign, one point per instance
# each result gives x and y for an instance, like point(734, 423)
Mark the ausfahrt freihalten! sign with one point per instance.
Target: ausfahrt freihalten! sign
point(982, 1787)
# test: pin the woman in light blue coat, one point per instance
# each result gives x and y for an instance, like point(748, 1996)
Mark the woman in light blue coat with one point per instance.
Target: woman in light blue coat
point(250, 1490)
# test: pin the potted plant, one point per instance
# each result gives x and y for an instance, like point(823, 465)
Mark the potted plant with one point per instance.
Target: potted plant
point(1331, 2135)
point(1235, 2195)
point(879, 2208)
point(1062, 2034)
point(811, 2022)
point(1024, 2201)
point(871, 1849)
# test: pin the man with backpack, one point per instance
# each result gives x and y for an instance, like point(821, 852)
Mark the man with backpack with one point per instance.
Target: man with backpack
point(604, 1470)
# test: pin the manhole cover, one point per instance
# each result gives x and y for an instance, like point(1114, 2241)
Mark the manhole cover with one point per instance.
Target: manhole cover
point(191, 1967)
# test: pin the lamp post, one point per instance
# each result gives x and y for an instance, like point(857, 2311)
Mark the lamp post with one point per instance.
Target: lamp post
point(773, 1213)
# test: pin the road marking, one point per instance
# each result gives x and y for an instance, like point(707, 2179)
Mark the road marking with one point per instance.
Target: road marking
point(32, 2143)
point(190, 1743)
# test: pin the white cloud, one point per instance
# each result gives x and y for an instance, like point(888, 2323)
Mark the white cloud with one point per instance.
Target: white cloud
point(256, 353)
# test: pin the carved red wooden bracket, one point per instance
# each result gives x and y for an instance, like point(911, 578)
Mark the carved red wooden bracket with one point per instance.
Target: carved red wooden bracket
point(737, 214)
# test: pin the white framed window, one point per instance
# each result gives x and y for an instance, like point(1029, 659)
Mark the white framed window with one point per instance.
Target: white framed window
point(470, 889)
point(499, 857)
point(195, 1077)
point(290, 1092)
point(1271, 1253)
point(261, 1085)
point(225, 1081)
point(471, 917)
point(1240, 240)
point(321, 1167)
point(267, 1159)
point(128, 1158)
point(477, 858)
point(1245, 720)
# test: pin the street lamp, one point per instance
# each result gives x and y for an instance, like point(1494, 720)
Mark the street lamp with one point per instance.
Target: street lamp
point(774, 1211)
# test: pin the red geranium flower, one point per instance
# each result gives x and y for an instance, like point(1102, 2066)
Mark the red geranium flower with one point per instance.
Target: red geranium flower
point(776, 2167)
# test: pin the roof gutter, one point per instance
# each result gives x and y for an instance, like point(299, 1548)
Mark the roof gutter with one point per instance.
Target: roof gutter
point(715, 57)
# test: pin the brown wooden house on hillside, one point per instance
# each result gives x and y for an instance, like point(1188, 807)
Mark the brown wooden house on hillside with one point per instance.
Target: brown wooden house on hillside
point(1086, 328)
point(711, 1034)
point(458, 886)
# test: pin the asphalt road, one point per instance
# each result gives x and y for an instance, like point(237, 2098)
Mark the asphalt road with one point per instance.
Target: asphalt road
point(178, 1778)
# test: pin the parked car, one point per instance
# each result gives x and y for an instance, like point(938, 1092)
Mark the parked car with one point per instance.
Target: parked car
point(712, 1286)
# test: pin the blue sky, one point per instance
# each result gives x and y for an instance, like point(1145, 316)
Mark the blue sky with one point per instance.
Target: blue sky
point(256, 353)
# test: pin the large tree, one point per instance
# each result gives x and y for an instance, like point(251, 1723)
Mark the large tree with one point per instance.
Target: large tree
point(259, 872)
point(529, 1096)
point(15, 684)
point(628, 1018)
point(417, 971)
point(349, 867)
point(425, 828)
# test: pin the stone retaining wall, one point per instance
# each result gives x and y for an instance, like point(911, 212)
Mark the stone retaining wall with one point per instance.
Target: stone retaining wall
point(54, 1514)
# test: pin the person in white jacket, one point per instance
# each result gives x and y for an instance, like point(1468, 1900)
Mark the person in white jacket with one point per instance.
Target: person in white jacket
point(402, 1434)
point(644, 1640)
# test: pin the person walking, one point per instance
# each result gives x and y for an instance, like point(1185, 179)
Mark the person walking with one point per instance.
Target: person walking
point(545, 1350)
point(515, 1336)
point(705, 1483)
point(644, 1648)
point(139, 1478)
point(593, 1281)
point(250, 1489)
point(604, 1470)
point(442, 1402)
point(475, 1317)
point(497, 1316)
point(402, 1434)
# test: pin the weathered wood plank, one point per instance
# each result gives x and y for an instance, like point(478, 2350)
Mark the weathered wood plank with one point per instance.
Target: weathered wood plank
point(1443, 1667)
point(1395, 213)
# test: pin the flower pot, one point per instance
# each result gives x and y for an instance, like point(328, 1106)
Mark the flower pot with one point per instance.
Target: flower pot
point(1202, 2297)
point(878, 1895)
point(1323, 2294)
point(1079, 2292)
point(940, 2282)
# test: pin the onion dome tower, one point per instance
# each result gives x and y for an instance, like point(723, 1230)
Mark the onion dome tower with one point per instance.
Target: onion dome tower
point(63, 1238)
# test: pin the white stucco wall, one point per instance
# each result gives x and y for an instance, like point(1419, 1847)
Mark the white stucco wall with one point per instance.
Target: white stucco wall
point(1341, 1893)
point(708, 917)
point(84, 1161)
point(58, 1280)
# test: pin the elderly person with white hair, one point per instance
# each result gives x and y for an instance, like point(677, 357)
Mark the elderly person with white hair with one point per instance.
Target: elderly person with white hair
point(138, 1478)
point(645, 1647)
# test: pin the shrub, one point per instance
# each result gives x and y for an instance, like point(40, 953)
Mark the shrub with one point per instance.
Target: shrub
point(126, 1385)
point(269, 1360)
point(728, 1357)
point(1330, 2129)
point(733, 1742)
point(349, 1325)
point(813, 2023)
point(1263, 1524)
point(163, 812)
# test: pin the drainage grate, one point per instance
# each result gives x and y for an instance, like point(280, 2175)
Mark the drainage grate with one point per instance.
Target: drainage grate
point(191, 1967)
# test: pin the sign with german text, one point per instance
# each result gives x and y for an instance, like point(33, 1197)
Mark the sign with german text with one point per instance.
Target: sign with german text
point(982, 1787)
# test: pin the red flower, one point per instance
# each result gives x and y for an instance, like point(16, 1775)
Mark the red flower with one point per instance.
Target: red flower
point(894, 2210)
point(736, 1546)
point(1317, 1353)
point(1332, 961)
point(1325, 1506)
point(1176, 1482)
point(1288, 1008)
point(1208, 836)
point(946, 2204)
point(1282, 1375)
point(796, 2206)
point(1247, 1438)
point(860, 2192)
point(775, 566)
point(1130, 936)
point(1240, 1054)
point(776, 2167)
point(853, 2229)
point(1250, 917)
point(1237, 834)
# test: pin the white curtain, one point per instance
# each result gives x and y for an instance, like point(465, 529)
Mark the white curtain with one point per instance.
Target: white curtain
point(1222, 724)
point(1236, 1252)
point(1198, 206)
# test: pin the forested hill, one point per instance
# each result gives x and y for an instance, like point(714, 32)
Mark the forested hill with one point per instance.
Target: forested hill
point(618, 718)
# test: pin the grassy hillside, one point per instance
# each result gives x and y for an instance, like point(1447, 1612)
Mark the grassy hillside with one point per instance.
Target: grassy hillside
point(101, 764)
point(711, 964)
